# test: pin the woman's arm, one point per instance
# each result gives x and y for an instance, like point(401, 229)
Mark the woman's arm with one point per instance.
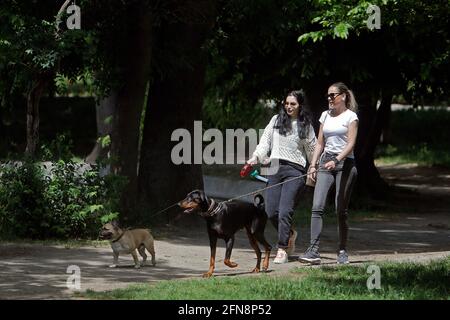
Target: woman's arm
point(309, 145)
point(317, 151)
point(351, 137)
point(264, 145)
point(319, 147)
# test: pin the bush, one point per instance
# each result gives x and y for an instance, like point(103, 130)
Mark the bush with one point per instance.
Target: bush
point(63, 200)
point(22, 204)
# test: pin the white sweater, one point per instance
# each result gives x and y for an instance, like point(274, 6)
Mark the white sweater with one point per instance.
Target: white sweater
point(289, 147)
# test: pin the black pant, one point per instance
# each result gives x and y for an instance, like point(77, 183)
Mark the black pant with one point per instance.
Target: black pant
point(281, 199)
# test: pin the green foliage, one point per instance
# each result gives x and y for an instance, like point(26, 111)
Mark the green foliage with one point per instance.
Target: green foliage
point(234, 114)
point(59, 148)
point(31, 47)
point(398, 281)
point(254, 55)
point(105, 141)
point(410, 50)
point(62, 200)
point(82, 85)
point(22, 204)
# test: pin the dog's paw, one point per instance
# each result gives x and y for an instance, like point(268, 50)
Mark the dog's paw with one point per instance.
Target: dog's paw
point(230, 264)
point(113, 266)
point(137, 266)
point(207, 275)
point(256, 270)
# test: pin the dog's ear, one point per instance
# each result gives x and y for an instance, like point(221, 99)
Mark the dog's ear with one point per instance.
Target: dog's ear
point(204, 205)
point(203, 196)
point(115, 224)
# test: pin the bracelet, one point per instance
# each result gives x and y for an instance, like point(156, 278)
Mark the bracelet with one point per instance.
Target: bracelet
point(335, 160)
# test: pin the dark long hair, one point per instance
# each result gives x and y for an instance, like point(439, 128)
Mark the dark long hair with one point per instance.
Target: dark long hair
point(283, 122)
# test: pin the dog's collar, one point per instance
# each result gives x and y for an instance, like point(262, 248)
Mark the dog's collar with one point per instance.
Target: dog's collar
point(212, 211)
point(115, 240)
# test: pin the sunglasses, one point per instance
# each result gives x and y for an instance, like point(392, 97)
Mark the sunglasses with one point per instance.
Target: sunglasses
point(333, 95)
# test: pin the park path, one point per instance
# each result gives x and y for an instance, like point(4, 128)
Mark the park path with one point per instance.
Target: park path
point(421, 233)
point(33, 271)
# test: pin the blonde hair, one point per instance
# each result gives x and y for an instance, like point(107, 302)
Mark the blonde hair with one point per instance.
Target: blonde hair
point(350, 101)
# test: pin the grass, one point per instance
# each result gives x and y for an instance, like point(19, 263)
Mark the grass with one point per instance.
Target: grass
point(417, 136)
point(399, 281)
point(422, 154)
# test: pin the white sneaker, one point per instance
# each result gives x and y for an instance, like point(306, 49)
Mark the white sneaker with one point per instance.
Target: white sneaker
point(282, 257)
point(291, 244)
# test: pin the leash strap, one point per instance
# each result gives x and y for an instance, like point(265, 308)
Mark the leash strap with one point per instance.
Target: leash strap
point(250, 193)
point(272, 186)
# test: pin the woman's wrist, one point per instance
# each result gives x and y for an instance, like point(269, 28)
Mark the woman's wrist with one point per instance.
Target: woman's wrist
point(253, 160)
point(335, 160)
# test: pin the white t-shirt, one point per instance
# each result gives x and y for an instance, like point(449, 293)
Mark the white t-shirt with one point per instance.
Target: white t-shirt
point(335, 130)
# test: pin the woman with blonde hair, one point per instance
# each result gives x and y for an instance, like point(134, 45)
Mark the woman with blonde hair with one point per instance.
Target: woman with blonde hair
point(334, 156)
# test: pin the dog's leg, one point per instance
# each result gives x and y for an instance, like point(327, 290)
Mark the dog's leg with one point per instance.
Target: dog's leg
point(141, 250)
point(116, 260)
point(149, 245)
point(136, 260)
point(259, 235)
point(230, 243)
point(255, 247)
point(212, 259)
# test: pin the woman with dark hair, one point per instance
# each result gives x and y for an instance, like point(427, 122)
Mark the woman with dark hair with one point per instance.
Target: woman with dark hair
point(336, 140)
point(290, 140)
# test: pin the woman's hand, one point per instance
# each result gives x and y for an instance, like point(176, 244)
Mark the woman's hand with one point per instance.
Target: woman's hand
point(312, 172)
point(252, 161)
point(330, 165)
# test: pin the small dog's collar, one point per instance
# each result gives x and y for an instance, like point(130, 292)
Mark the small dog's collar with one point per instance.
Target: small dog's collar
point(118, 237)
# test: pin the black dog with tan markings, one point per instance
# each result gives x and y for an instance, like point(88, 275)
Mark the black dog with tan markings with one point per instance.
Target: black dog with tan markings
point(224, 219)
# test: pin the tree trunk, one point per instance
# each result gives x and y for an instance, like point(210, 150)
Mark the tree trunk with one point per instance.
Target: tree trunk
point(316, 101)
point(104, 113)
point(386, 132)
point(33, 99)
point(369, 132)
point(175, 101)
point(382, 116)
point(130, 100)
